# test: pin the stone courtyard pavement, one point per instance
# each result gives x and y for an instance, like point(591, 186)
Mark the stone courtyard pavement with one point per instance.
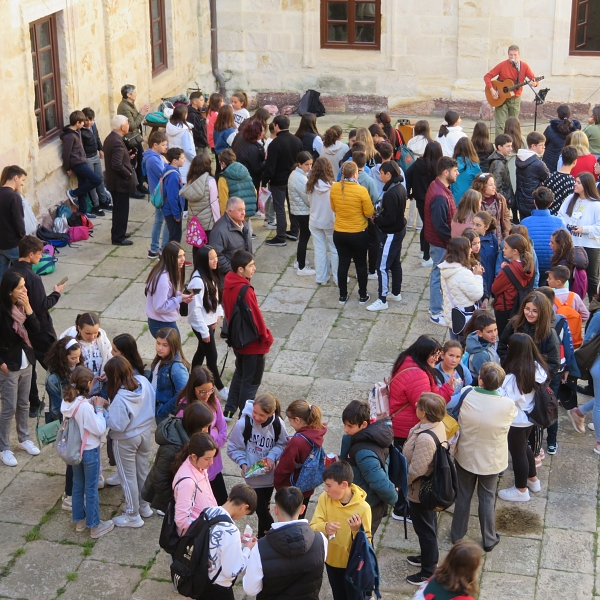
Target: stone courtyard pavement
point(324, 352)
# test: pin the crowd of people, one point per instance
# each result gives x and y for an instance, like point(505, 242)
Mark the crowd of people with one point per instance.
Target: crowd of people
point(511, 229)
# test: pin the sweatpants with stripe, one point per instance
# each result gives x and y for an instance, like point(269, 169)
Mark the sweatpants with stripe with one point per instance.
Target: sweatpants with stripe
point(388, 259)
point(132, 456)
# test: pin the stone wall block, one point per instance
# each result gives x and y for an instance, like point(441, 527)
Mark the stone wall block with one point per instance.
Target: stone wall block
point(366, 103)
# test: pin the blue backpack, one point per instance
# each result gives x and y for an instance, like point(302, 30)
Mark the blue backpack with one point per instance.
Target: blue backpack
point(363, 570)
point(398, 475)
point(311, 473)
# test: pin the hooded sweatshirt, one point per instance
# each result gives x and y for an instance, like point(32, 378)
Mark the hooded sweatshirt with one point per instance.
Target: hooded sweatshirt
point(334, 154)
point(368, 453)
point(162, 305)
point(523, 402)
point(132, 413)
point(531, 173)
point(192, 491)
point(173, 204)
point(460, 287)
point(505, 292)
point(321, 215)
point(87, 420)
point(155, 167)
point(261, 445)
point(480, 352)
point(447, 142)
point(338, 550)
point(294, 455)
point(73, 153)
point(179, 136)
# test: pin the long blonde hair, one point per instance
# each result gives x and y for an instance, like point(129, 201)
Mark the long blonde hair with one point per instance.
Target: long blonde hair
point(364, 135)
point(580, 141)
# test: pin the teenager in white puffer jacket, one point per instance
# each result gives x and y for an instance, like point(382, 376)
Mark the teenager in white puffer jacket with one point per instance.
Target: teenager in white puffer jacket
point(461, 286)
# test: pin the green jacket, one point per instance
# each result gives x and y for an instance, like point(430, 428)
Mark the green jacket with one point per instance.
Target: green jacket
point(128, 109)
point(240, 184)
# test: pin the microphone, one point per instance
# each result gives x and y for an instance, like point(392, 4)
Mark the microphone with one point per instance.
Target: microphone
point(513, 63)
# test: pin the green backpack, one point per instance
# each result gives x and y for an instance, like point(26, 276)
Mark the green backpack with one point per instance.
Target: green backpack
point(46, 265)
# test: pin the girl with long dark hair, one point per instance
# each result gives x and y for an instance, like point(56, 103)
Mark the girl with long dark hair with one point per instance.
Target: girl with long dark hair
point(450, 132)
point(125, 345)
point(556, 133)
point(482, 145)
point(309, 135)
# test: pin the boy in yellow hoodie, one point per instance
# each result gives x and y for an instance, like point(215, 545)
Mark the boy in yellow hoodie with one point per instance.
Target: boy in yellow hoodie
point(340, 512)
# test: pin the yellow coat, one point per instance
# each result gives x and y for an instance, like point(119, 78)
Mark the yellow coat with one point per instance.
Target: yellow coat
point(352, 208)
point(223, 189)
point(329, 510)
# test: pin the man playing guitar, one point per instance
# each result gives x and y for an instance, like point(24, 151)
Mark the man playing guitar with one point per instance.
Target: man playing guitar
point(518, 72)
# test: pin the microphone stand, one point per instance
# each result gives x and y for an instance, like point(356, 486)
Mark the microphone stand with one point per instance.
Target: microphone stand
point(540, 97)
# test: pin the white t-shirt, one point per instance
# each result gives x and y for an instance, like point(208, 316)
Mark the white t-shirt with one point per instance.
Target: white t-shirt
point(92, 359)
point(240, 115)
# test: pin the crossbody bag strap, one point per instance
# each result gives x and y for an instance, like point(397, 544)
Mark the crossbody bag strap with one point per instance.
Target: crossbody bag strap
point(390, 383)
point(84, 437)
point(449, 294)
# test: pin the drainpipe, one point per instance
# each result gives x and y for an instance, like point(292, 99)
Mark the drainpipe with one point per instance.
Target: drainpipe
point(214, 49)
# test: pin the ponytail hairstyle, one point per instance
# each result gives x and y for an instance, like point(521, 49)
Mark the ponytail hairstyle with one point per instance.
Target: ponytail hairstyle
point(385, 122)
point(268, 403)
point(564, 114)
point(80, 380)
point(303, 157)
point(309, 413)
point(199, 445)
point(543, 325)
point(458, 251)
point(125, 343)
point(450, 120)
point(321, 171)
point(196, 417)
point(522, 230)
point(88, 318)
point(242, 97)
point(349, 171)
point(57, 357)
point(468, 207)
point(519, 243)
point(200, 375)
point(119, 374)
point(332, 135)
point(377, 130)
point(452, 344)
point(488, 220)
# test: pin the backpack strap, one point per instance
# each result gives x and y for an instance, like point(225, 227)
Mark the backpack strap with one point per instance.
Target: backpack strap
point(464, 394)
point(511, 276)
point(570, 300)
point(461, 371)
point(247, 430)
point(438, 375)
point(277, 429)
point(313, 445)
point(435, 437)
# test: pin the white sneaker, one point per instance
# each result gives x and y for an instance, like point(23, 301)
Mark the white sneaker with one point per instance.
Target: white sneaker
point(160, 513)
point(101, 482)
point(512, 494)
point(306, 272)
point(258, 215)
point(438, 319)
point(427, 263)
point(271, 225)
point(8, 458)
point(29, 447)
point(395, 297)
point(113, 479)
point(591, 427)
point(67, 502)
point(223, 394)
point(306, 264)
point(534, 486)
point(372, 276)
point(146, 512)
point(378, 305)
point(127, 521)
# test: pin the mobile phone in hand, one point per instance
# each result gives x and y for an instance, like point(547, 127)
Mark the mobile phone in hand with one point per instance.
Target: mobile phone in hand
point(62, 281)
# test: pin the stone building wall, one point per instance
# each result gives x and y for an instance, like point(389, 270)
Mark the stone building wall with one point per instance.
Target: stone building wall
point(103, 44)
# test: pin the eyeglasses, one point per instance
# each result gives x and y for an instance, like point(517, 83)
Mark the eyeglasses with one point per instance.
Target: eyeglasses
point(204, 392)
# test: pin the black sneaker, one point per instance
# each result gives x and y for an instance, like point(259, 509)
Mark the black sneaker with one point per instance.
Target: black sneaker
point(415, 561)
point(276, 242)
point(343, 299)
point(417, 579)
point(400, 517)
point(552, 448)
point(153, 255)
point(254, 237)
point(106, 207)
point(587, 390)
point(363, 300)
point(291, 236)
point(142, 189)
point(490, 548)
point(98, 211)
point(137, 195)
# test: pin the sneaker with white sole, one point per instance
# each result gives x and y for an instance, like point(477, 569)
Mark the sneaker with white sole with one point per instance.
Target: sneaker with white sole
point(306, 272)
point(146, 511)
point(577, 421)
point(67, 502)
point(512, 494)
point(378, 305)
point(364, 300)
point(29, 447)
point(394, 297)
point(597, 448)
point(427, 263)
point(160, 513)
point(372, 276)
point(438, 319)
point(8, 458)
point(271, 226)
point(101, 482)
point(113, 480)
point(534, 486)
point(552, 448)
point(228, 415)
point(80, 526)
point(223, 394)
point(128, 521)
point(591, 427)
point(101, 529)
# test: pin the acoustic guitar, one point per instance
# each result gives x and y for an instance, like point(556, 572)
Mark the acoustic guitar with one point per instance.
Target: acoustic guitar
point(506, 89)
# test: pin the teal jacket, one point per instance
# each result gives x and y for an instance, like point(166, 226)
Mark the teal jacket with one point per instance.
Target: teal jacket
point(240, 184)
point(467, 171)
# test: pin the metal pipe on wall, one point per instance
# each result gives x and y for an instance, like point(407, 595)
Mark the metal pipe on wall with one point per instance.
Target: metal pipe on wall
point(214, 48)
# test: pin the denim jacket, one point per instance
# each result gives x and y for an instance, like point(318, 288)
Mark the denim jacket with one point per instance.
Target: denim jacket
point(54, 387)
point(171, 379)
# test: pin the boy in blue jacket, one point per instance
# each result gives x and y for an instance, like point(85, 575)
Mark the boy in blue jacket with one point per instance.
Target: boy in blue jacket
point(366, 446)
point(154, 163)
point(173, 204)
point(482, 342)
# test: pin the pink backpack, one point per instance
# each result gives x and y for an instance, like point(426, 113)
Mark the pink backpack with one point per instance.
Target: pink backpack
point(49, 249)
point(79, 233)
point(580, 282)
point(195, 236)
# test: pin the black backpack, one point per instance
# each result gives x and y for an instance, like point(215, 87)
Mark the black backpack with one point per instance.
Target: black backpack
point(438, 490)
point(240, 329)
point(58, 240)
point(248, 429)
point(545, 407)
point(169, 538)
point(189, 569)
point(460, 369)
point(522, 292)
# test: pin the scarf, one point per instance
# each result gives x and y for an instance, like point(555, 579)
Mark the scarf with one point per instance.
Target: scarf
point(18, 315)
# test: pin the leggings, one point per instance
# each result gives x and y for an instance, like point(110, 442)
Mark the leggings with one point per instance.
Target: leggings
point(219, 489)
point(424, 242)
point(208, 350)
point(302, 239)
point(265, 520)
point(522, 455)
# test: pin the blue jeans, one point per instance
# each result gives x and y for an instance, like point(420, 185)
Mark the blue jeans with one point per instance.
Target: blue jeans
point(98, 194)
point(7, 257)
point(593, 406)
point(86, 504)
point(87, 180)
point(435, 283)
point(159, 223)
point(155, 326)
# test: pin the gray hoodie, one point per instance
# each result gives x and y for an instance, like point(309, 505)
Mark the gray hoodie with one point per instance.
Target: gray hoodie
point(334, 154)
point(261, 445)
point(132, 413)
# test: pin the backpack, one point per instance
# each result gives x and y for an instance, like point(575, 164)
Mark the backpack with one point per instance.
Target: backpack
point(438, 490)
point(156, 197)
point(63, 211)
point(580, 282)
point(240, 330)
point(248, 430)
point(79, 233)
point(46, 265)
point(522, 292)
point(169, 538)
point(60, 225)
point(586, 356)
point(49, 249)
point(189, 569)
point(545, 407)
point(573, 318)
point(379, 398)
point(404, 157)
point(440, 376)
point(58, 240)
point(397, 472)
point(157, 117)
point(69, 442)
point(363, 570)
point(311, 473)
point(455, 411)
point(78, 219)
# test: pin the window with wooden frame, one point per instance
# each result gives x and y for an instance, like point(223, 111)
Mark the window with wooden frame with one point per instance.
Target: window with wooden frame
point(46, 77)
point(585, 27)
point(354, 24)
point(158, 36)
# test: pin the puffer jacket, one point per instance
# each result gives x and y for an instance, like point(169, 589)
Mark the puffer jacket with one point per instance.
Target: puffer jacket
point(459, 286)
point(540, 226)
point(171, 437)
point(240, 184)
point(555, 141)
point(297, 192)
point(321, 215)
point(467, 171)
point(488, 254)
point(407, 384)
point(334, 154)
point(419, 451)
point(172, 378)
point(531, 173)
point(197, 194)
point(447, 142)
point(498, 167)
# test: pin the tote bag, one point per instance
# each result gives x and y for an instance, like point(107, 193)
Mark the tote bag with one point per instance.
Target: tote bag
point(195, 235)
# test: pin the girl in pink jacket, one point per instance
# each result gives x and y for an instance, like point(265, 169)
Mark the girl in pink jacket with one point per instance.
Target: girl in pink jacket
point(191, 486)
